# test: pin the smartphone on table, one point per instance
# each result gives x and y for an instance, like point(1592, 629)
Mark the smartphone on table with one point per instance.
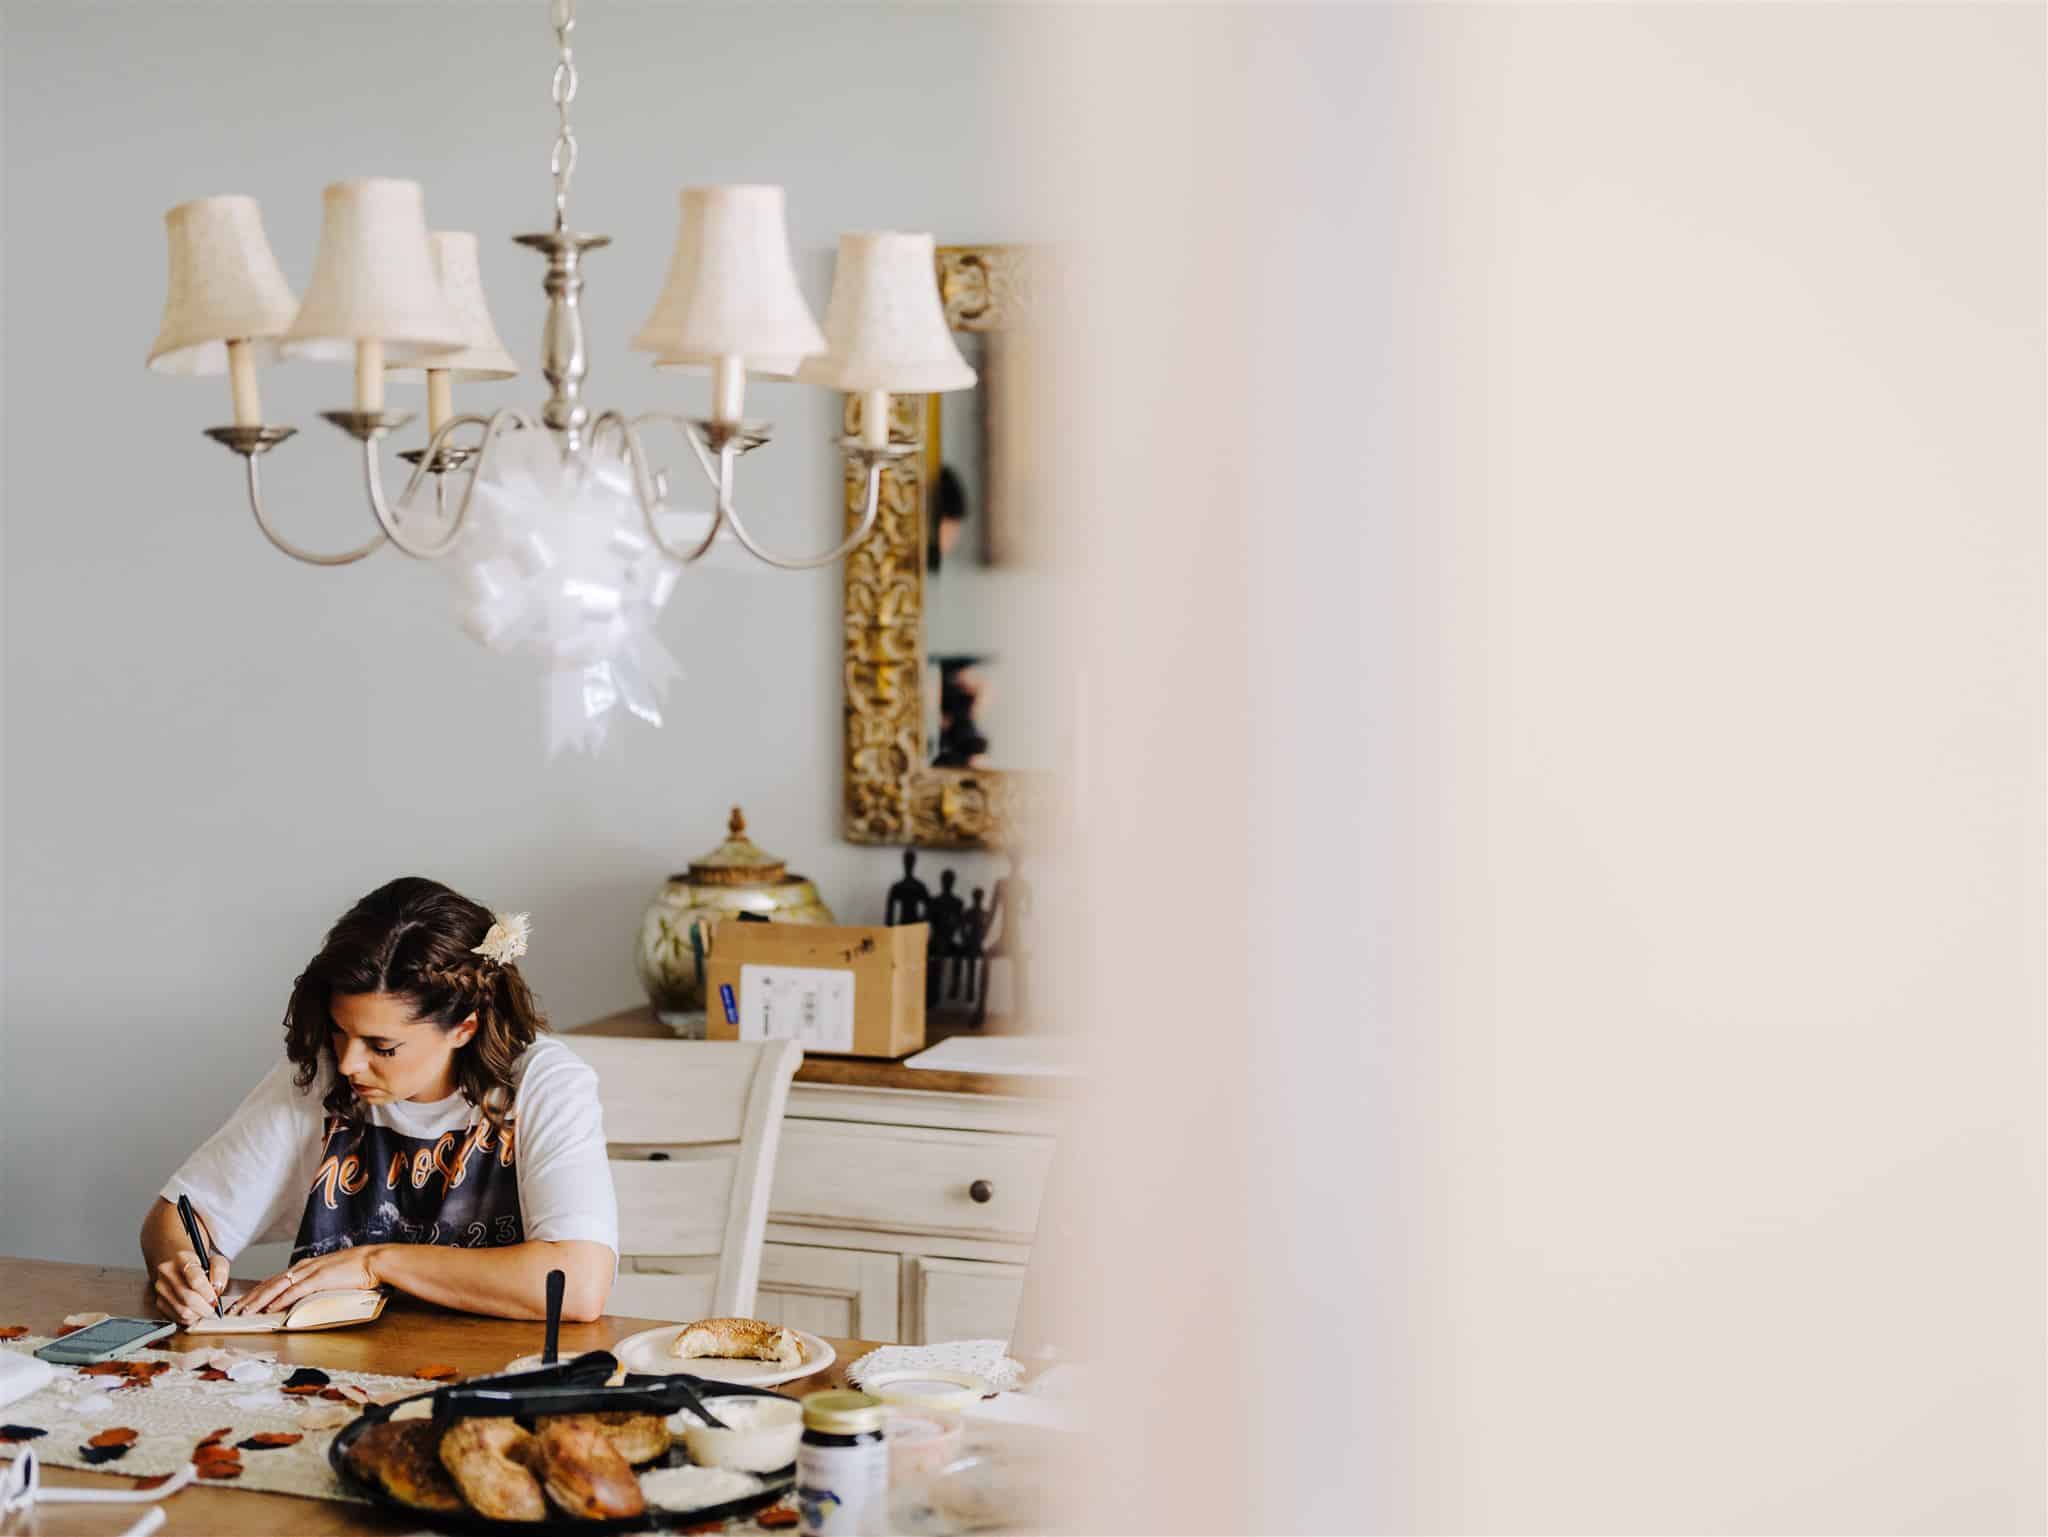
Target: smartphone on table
point(104, 1340)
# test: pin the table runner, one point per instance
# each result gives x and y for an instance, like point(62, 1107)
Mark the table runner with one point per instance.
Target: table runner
point(179, 1407)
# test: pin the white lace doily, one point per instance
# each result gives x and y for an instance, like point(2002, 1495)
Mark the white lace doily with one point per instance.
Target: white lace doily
point(986, 1359)
point(178, 1409)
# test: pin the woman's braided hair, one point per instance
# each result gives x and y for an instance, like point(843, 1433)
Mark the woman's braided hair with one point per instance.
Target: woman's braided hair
point(414, 938)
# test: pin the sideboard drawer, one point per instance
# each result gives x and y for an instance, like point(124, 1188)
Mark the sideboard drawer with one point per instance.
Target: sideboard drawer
point(910, 1179)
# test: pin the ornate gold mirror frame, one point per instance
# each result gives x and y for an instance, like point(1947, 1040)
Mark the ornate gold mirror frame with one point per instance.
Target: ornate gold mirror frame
point(893, 794)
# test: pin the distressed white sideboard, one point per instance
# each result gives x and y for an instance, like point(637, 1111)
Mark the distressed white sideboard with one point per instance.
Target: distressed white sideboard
point(904, 1201)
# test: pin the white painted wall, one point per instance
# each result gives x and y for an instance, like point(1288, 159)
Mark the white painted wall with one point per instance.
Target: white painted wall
point(212, 751)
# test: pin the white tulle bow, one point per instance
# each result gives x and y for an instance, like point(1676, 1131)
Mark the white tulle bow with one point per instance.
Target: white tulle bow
point(557, 564)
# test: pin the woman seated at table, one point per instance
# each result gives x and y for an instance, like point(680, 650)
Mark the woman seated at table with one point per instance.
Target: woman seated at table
point(419, 1133)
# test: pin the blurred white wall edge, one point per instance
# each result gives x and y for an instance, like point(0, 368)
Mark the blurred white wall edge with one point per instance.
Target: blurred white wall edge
point(1554, 505)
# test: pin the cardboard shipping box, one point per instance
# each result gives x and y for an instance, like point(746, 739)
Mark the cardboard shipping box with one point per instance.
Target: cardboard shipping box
point(853, 991)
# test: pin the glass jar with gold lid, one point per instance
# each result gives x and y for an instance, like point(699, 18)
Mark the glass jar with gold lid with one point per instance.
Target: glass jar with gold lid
point(675, 934)
point(842, 1466)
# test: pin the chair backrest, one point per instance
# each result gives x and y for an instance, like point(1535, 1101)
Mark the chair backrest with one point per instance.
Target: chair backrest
point(693, 1127)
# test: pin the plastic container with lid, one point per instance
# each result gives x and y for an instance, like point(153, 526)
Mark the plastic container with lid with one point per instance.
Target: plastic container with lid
point(925, 1404)
point(921, 1441)
point(842, 1465)
point(924, 1387)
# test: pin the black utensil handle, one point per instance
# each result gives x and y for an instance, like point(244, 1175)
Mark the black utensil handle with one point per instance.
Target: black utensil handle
point(468, 1400)
point(558, 1281)
point(591, 1369)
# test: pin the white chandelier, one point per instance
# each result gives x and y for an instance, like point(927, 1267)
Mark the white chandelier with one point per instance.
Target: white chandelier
point(397, 300)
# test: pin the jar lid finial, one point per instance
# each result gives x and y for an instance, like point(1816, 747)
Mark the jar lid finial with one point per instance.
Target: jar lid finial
point(737, 862)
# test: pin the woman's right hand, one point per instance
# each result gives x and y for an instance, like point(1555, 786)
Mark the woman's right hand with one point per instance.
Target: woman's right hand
point(186, 1292)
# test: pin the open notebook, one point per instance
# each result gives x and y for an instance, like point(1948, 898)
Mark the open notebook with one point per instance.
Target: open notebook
point(322, 1310)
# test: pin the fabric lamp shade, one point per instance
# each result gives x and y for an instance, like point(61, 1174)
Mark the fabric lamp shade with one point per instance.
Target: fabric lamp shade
point(483, 355)
point(731, 288)
point(373, 279)
point(885, 328)
point(225, 286)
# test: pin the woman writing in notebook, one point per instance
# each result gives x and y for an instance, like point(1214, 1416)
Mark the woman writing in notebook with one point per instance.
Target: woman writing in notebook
point(419, 1133)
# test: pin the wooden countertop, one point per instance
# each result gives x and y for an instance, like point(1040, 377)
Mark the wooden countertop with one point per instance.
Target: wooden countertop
point(862, 1072)
point(39, 1293)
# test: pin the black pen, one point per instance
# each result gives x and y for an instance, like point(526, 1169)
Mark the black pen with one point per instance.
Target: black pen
point(191, 1220)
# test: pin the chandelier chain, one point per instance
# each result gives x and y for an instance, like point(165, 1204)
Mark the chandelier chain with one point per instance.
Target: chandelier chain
point(562, 163)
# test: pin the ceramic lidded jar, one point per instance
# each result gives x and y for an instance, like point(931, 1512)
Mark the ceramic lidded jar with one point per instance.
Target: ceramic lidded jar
point(736, 877)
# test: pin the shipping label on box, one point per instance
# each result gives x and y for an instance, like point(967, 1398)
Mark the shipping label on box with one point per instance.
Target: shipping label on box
point(851, 990)
point(808, 1004)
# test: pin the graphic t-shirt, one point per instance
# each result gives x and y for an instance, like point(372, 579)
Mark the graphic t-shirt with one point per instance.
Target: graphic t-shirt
point(376, 1185)
point(266, 1174)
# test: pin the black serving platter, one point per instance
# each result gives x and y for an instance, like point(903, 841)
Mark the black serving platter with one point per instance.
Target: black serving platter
point(558, 1390)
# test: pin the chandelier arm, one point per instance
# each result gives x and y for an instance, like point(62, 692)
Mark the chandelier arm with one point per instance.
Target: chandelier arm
point(431, 454)
point(870, 510)
point(705, 460)
point(646, 487)
point(718, 471)
point(310, 557)
point(646, 484)
point(373, 478)
point(688, 429)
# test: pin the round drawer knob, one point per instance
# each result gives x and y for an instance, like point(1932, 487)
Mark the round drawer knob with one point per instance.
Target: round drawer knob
point(657, 1158)
point(982, 1191)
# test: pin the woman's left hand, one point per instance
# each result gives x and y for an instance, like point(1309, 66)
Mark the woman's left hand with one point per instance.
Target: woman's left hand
point(344, 1269)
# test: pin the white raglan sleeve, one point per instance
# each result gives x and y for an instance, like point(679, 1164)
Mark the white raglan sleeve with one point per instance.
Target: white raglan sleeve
point(247, 1178)
point(565, 1175)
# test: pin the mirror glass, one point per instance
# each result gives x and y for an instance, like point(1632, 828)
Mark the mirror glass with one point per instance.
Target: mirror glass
point(985, 703)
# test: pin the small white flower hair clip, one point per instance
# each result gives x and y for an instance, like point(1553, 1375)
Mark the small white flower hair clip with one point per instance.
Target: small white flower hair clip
point(506, 941)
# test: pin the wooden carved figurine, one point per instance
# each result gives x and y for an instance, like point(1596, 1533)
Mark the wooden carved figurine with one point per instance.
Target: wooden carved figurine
point(973, 932)
point(909, 899)
point(944, 913)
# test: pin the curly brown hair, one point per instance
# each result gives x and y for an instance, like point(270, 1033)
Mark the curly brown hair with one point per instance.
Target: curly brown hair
point(415, 939)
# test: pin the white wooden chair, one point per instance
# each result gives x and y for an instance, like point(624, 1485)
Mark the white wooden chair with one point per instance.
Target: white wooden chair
point(693, 1128)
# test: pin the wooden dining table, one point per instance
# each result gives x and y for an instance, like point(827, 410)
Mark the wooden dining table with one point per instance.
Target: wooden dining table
point(40, 1293)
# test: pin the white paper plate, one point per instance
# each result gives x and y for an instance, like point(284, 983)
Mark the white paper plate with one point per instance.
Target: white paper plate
point(648, 1352)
